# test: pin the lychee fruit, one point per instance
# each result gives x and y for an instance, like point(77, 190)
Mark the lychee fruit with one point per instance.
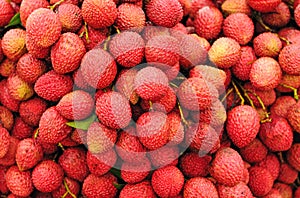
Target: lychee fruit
point(294, 116)
point(279, 17)
point(255, 151)
point(9, 158)
point(176, 128)
point(73, 186)
point(282, 105)
point(272, 164)
point(267, 44)
point(200, 187)
point(28, 6)
point(289, 59)
point(263, 5)
point(260, 181)
point(7, 67)
point(236, 6)
point(135, 173)
point(6, 118)
point(18, 88)
point(139, 190)
point(240, 190)
point(5, 141)
point(7, 12)
point(70, 17)
point(284, 189)
point(92, 37)
point(6, 99)
point(287, 174)
point(288, 80)
point(293, 156)
point(167, 155)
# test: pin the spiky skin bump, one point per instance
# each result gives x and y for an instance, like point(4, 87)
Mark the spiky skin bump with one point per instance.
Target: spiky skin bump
point(280, 17)
point(113, 110)
point(100, 164)
point(127, 48)
point(277, 135)
point(73, 162)
point(287, 174)
point(76, 105)
point(166, 13)
point(92, 10)
point(7, 12)
point(19, 182)
point(289, 59)
point(30, 68)
point(265, 74)
point(151, 83)
point(294, 116)
point(67, 53)
point(263, 5)
point(192, 165)
point(103, 186)
point(100, 138)
point(135, 173)
point(5, 141)
point(241, 190)
point(200, 187)
point(267, 44)
point(260, 181)
point(70, 17)
point(47, 176)
point(152, 129)
point(208, 22)
point(53, 86)
point(18, 88)
point(98, 68)
point(167, 181)
point(227, 167)
point(13, 44)
point(139, 190)
point(224, 52)
point(297, 15)
point(28, 6)
point(162, 49)
point(43, 27)
point(52, 126)
point(239, 27)
point(242, 125)
point(255, 151)
point(130, 17)
point(73, 186)
point(196, 94)
point(236, 6)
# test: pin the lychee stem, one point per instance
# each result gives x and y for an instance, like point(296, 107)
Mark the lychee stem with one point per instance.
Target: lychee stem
point(181, 115)
point(298, 181)
point(56, 4)
point(151, 105)
point(258, 18)
point(86, 32)
point(172, 84)
point(245, 94)
point(68, 190)
point(61, 146)
point(117, 29)
point(36, 134)
point(296, 96)
point(238, 93)
point(227, 94)
point(284, 39)
point(281, 157)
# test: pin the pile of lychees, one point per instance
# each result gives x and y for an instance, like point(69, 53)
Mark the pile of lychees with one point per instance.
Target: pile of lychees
point(149, 98)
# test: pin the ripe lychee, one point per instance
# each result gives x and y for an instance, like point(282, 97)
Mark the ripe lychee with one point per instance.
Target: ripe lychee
point(278, 18)
point(289, 59)
point(236, 6)
point(293, 156)
point(92, 37)
point(135, 173)
point(240, 190)
point(28, 6)
point(70, 17)
point(263, 5)
point(6, 99)
point(255, 151)
point(294, 116)
point(18, 88)
point(267, 44)
point(73, 186)
point(9, 158)
point(287, 174)
point(260, 181)
point(167, 155)
point(200, 187)
point(139, 190)
point(5, 141)
point(7, 12)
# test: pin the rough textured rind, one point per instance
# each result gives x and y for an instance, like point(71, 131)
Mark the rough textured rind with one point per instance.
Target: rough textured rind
point(70, 17)
point(21, 130)
point(282, 105)
point(293, 156)
point(9, 158)
point(272, 164)
point(28, 6)
point(6, 99)
point(260, 181)
point(93, 10)
point(18, 88)
point(94, 37)
point(241, 190)
point(255, 151)
point(135, 173)
point(4, 141)
point(289, 59)
point(263, 5)
point(267, 97)
point(280, 17)
point(294, 116)
point(242, 125)
point(267, 44)
point(6, 118)
point(166, 13)
point(31, 110)
point(73, 186)
point(167, 155)
point(139, 190)
point(287, 174)
point(7, 12)
point(288, 80)
point(199, 187)
point(236, 6)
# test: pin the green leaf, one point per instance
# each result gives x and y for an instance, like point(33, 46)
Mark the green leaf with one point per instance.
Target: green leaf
point(118, 186)
point(82, 124)
point(16, 20)
point(116, 172)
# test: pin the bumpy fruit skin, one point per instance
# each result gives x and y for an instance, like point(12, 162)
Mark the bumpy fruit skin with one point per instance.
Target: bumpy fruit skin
point(284, 189)
point(293, 157)
point(28, 154)
point(236, 6)
point(242, 125)
point(166, 13)
point(67, 53)
point(272, 164)
point(73, 186)
point(127, 48)
point(289, 80)
point(36, 51)
point(13, 44)
point(151, 83)
point(267, 44)
point(241, 190)
point(255, 151)
point(282, 105)
point(28, 6)
point(100, 164)
point(7, 12)
point(176, 128)
point(167, 181)
point(287, 174)
point(43, 27)
point(167, 155)
point(32, 110)
point(152, 129)
point(47, 176)
point(289, 59)
point(93, 10)
point(239, 27)
point(113, 110)
point(224, 52)
point(263, 5)
point(135, 173)
point(208, 22)
point(297, 193)
point(73, 162)
point(199, 187)
point(70, 17)
point(21, 130)
point(139, 190)
point(294, 116)
point(6, 118)
point(267, 97)
point(273, 193)
point(260, 181)
point(94, 186)
point(277, 135)
point(5, 141)
point(130, 17)
point(192, 165)
point(53, 86)
point(280, 17)
point(7, 67)
point(162, 49)
point(76, 105)
point(9, 158)
point(6, 99)
point(98, 68)
point(30, 68)
point(100, 138)
point(227, 167)
point(19, 182)
point(265, 73)
point(18, 88)
point(92, 37)
point(52, 126)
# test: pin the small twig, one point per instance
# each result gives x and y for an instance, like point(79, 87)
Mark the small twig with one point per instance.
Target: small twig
point(227, 94)
point(296, 96)
point(238, 93)
point(68, 190)
point(181, 115)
